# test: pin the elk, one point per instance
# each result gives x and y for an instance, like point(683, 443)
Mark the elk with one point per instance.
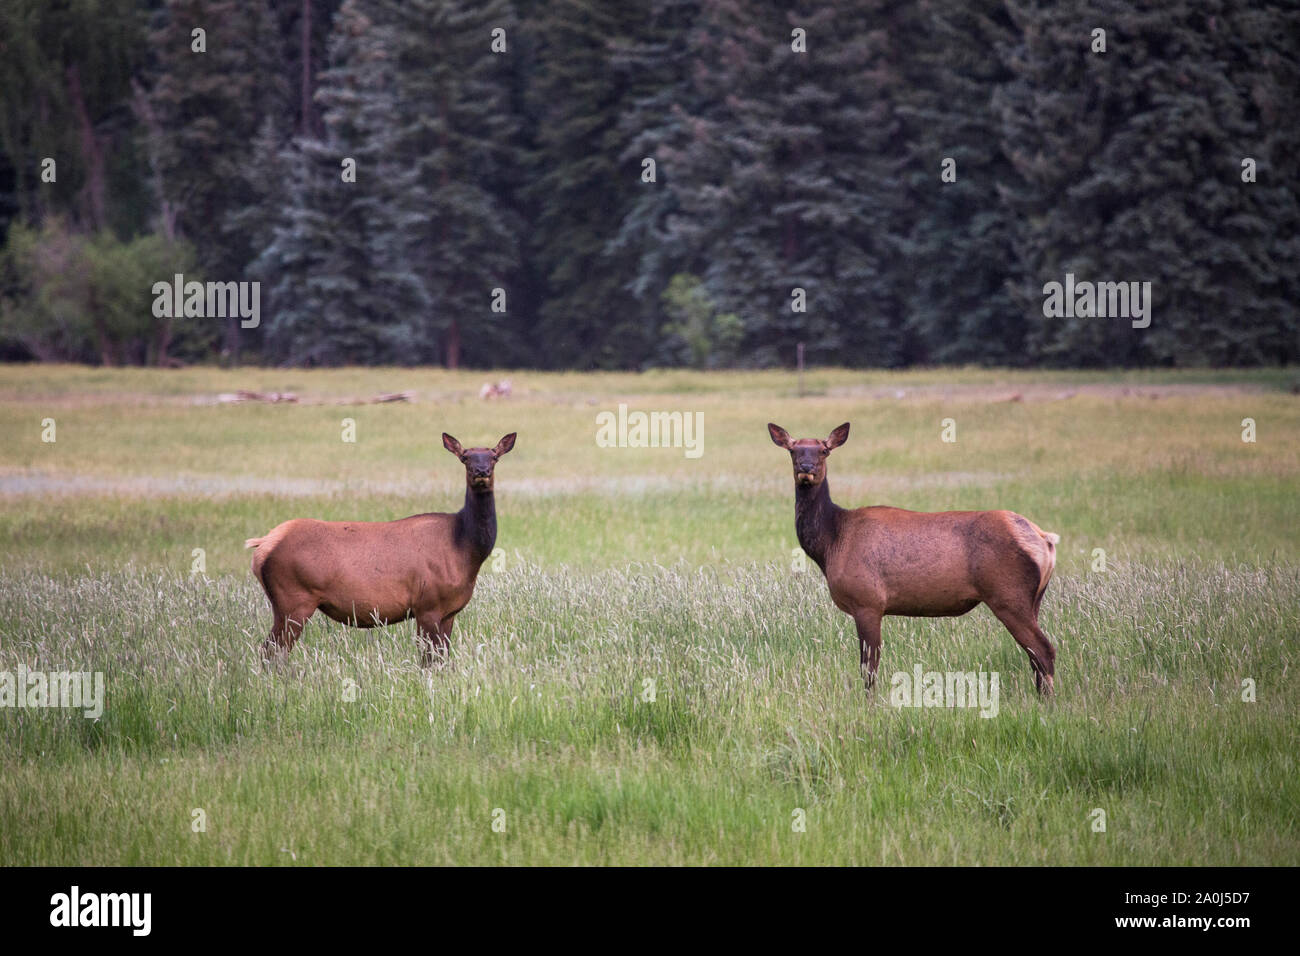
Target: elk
point(372, 573)
point(882, 560)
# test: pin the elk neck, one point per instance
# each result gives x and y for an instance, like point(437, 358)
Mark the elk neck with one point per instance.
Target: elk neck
point(476, 524)
point(816, 520)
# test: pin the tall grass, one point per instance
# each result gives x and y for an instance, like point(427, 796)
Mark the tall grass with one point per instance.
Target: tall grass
point(644, 676)
point(757, 710)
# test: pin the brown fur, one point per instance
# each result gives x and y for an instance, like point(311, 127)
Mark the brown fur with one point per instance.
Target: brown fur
point(880, 560)
point(371, 573)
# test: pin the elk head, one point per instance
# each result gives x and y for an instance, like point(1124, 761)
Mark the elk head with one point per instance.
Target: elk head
point(479, 462)
point(808, 454)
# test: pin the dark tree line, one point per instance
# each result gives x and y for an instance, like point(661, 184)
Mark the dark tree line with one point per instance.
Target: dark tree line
point(603, 184)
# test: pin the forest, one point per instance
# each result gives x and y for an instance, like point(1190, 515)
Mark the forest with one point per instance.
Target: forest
point(597, 184)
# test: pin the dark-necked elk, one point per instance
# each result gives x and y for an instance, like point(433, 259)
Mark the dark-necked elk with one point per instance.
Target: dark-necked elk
point(371, 573)
point(881, 560)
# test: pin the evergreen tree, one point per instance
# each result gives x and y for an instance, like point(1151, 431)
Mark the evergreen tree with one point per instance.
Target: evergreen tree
point(340, 289)
point(797, 160)
point(958, 250)
point(65, 84)
point(582, 86)
point(211, 106)
point(785, 177)
point(1131, 168)
point(455, 132)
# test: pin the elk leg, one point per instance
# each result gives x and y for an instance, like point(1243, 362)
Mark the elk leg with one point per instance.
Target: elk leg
point(1047, 684)
point(285, 629)
point(272, 642)
point(1022, 624)
point(868, 622)
point(434, 637)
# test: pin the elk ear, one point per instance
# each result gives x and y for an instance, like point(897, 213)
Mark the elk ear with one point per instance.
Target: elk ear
point(504, 445)
point(780, 437)
point(838, 437)
point(451, 444)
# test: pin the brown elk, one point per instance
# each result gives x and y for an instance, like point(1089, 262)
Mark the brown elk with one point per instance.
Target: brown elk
point(882, 560)
point(371, 573)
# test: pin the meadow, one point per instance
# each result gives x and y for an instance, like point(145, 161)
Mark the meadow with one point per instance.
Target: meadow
point(649, 673)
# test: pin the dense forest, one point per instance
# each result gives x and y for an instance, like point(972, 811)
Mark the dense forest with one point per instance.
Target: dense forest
point(608, 184)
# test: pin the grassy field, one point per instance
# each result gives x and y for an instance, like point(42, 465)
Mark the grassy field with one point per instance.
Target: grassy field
point(622, 566)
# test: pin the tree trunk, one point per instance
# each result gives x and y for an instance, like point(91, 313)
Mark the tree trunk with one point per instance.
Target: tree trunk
point(91, 150)
point(166, 211)
point(308, 126)
point(232, 339)
point(106, 351)
point(162, 339)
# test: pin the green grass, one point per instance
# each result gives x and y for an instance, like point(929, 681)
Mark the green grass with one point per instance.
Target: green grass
point(622, 566)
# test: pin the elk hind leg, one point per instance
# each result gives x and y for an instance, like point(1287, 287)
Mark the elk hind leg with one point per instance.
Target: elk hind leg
point(286, 627)
point(1022, 622)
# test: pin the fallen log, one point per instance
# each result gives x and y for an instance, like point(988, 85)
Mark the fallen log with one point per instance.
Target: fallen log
point(244, 395)
point(276, 398)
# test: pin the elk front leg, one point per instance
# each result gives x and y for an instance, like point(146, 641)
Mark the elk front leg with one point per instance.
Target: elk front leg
point(435, 637)
point(868, 623)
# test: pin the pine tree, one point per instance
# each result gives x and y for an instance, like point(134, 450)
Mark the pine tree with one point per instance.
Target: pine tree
point(958, 250)
point(211, 106)
point(785, 177)
point(65, 85)
point(341, 291)
point(581, 88)
point(1131, 164)
point(456, 134)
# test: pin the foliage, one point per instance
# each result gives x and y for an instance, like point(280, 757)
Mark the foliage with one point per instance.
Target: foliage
point(710, 338)
point(888, 183)
point(77, 297)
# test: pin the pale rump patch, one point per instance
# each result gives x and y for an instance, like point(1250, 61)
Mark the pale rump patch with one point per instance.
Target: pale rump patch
point(1038, 544)
point(266, 544)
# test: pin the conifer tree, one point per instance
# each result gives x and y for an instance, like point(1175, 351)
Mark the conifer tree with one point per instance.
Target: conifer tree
point(958, 246)
point(211, 105)
point(1131, 167)
point(784, 177)
point(582, 88)
point(455, 131)
point(340, 288)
